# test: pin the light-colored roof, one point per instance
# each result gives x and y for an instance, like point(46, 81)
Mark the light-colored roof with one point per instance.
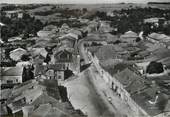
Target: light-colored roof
point(1, 41)
point(158, 36)
point(13, 71)
point(167, 107)
point(43, 33)
point(77, 32)
point(152, 20)
point(18, 50)
point(5, 93)
point(74, 36)
point(65, 25)
point(39, 51)
point(33, 90)
point(50, 27)
point(14, 11)
point(14, 39)
point(17, 53)
point(129, 34)
point(94, 37)
point(2, 24)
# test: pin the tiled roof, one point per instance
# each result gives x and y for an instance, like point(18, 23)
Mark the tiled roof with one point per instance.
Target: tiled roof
point(158, 36)
point(142, 91)
point(13, 71)
point(17, 53)
point(39, 91)
point(5, 93)
point(112, 70)
point(130, 80)
point(42, 69)
point(55, 109)
point(106, 52)
point(94, 37)
point(38, 51)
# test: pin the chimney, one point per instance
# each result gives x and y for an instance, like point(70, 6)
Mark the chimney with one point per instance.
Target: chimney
point(26, 110)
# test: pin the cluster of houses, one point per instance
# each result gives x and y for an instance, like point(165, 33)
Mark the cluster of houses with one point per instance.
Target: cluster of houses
point(123, 67)
point(31, 81)
point(37, 98)
point(39, 67)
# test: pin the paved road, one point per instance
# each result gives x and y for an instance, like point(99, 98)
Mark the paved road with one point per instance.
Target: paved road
point(83, 96)
point(89, 93)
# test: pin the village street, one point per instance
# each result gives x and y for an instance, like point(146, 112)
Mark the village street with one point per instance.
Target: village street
point(94, 96)
point(83, 95)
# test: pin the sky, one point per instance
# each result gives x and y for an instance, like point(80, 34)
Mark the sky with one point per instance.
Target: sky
point(78, 1)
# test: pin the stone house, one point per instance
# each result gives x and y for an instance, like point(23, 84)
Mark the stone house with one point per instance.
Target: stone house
point(129, 37)
point(68, 59)
point(11, 75)
point(15, 14)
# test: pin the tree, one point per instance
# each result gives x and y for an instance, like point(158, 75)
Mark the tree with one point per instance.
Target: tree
point(47, 59)
point(67, 74)
point(84, 10)
point(138, 39)
point(117, 42)
point(25, 57)
point(154, 67)
point(27, 73)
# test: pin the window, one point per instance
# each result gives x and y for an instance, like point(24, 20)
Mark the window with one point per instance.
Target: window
point(9, 81)
point(59, 77)
point(16, 80)
point(112, 85)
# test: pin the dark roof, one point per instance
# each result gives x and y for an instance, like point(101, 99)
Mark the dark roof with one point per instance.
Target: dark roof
point(112, 70)
point(130, 80)
point(106, 52)
point(65, 53)
point(42, 69)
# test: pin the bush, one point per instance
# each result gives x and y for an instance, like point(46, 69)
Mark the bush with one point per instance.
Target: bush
point(154, 67)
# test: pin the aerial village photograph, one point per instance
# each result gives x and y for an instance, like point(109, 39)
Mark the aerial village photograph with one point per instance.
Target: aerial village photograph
point(85, 58)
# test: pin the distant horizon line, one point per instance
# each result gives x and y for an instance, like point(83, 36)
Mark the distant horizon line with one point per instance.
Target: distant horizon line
point(86, 3)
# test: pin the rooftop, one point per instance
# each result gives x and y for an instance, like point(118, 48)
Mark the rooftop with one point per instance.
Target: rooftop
point(12, 71)
point(106, 52)
point(141, 90)
point(159, 37)
point(32, 90)
point(129, 34)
